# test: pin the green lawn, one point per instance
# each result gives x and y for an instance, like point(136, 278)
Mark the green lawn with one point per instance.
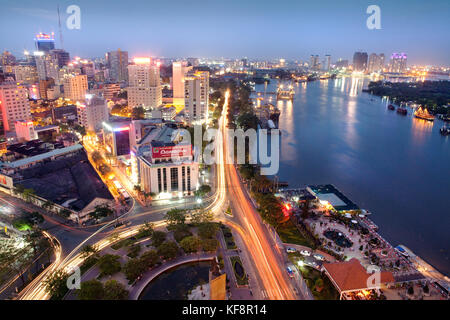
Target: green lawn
point(290, 234)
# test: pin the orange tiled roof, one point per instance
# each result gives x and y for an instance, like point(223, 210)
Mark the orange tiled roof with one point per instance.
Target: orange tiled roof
point(351, 275)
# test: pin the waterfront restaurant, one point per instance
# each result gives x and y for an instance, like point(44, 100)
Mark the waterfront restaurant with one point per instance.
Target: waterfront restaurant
point(334, 200)
point(351, 278)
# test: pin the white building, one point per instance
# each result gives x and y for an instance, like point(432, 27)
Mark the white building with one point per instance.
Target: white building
point(144, 84)
point(92, 113)
point(164, 167)
point(196, 97)
point(14, 105)
point(75, 87)
point(179, 71)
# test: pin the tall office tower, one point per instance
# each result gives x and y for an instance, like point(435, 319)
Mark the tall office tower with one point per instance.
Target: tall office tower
point(92, 113)
point(14, 104)
point(314, 62)
point(47, 66)
point(45, 42)
point(75, 87)
point(360, 61)
point(144, 84)
point(117, 62)
point(327, 65)
point(196, 97)
point(7, 59)
point(25, 74)
point(374, 64)
point(61, 57)
point(179, 71)
point(398, 62)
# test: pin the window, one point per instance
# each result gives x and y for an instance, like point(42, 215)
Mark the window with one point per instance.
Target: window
point(174, 179)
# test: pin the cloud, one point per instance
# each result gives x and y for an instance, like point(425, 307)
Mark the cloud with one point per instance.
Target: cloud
point(38, 13)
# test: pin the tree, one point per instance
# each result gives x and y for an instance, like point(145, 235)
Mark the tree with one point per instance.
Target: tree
point(201, 216)
point(145, 230)
point(88, 250)
point(150, 258)
point(133, 251)
point(190, 244)
point(158, 237)
point(175, 216)
point(207, 230)
point(138, 113)
point(101, 211)
point(91, 290)
point(168, 250)
point(209, 245)
point(109, 264)
point(114, 290)
point(133, 268)
point(97, 158)
point(203, 190)
point(28, 194)
point(48, 205)
point(56, 284)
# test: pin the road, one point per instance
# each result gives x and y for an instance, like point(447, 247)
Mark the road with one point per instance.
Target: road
point(267, 257)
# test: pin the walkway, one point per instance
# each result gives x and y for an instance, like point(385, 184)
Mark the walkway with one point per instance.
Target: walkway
point(136, 290)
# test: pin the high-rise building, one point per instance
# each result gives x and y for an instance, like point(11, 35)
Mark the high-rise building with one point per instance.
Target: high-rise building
point(196, 97)
point(144, 84)
point(398, 62)
point(376, 63)
point(14, 104)
point(341, 63)
point(75, 87)
point(179, 71)
point(314, 62)
point(7, 59)
point(93, 113)
point(117, 63)
point(25, 74)
point(61, 57)
point(327, 65)
point(360, 61)
point(45, 42)
point(47, 66)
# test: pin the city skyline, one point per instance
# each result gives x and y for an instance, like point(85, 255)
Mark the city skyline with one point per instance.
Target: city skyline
point(210, 29)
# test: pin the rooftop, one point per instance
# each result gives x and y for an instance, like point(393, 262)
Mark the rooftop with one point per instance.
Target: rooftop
point(352, 276)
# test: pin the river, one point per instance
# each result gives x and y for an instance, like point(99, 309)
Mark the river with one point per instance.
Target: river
point(397, 167)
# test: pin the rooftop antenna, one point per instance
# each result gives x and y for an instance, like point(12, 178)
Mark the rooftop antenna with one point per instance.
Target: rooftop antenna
point(60, 29)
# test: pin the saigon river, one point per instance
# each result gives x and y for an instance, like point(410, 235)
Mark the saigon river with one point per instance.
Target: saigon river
point(397, 167)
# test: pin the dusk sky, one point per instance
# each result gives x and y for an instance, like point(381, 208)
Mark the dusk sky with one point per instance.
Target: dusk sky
point(235, 28)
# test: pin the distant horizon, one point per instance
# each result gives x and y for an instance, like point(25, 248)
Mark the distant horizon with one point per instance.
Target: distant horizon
point(259, 30)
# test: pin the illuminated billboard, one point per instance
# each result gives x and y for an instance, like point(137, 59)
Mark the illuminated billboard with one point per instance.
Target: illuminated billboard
point(171, 151)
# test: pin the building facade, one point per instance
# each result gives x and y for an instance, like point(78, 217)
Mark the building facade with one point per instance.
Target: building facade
point(14, 105)
point(196, 97)
point(117, 63)
point(75, 87)
point(144, 84)
point(93, 113)
point(179, 71)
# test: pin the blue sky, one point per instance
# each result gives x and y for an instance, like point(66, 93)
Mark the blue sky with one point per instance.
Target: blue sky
point(236, 28)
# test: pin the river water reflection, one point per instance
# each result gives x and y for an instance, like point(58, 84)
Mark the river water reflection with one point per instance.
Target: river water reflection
point(397, 167)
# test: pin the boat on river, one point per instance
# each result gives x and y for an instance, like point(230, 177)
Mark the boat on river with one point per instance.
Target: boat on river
point(422, 113)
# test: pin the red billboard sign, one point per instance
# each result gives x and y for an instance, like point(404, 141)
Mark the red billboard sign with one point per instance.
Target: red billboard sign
point(171, 151)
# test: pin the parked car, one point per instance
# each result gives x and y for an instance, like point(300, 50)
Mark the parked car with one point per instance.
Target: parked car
point(290, 250)
point(305, 253)
point(318, 256)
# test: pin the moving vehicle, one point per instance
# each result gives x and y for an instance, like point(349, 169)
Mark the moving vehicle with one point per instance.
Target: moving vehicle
point(290, 272)
point(305, 253)
point(290, 250)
